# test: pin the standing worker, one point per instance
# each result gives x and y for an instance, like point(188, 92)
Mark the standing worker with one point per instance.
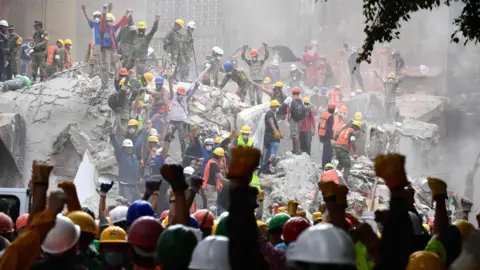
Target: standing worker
point(307, 126)
point(25, 57)
point(336, 96)
point(339, 120)
point(325, 132)
point(295, 115)
point(97, 40)
point(256, 66)
point(15, 43)
point(125, 40)
point(212, 177)
point(344, 145)
point(244, 138)
point(68, 57)
point(40, 37)
point(4, 48)
point(141, 42)
point(55, 59)
point(172, 45)
point(354, 68)
point(272, 135)
point(390, 92)
point(188, 51)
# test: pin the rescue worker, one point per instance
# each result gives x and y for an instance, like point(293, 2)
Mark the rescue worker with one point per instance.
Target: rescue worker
point(40, 37)
point(310, 61)
point(276, 93)
point(354, 68)
point(205, 221)
point(272, 136)
point(336, 96)
point(125, 39)
point(398, 62)
point(160, 106)
point(25, 57)
point(237, 76)
point(55, 59)
point(188, 51)
point(273, 71)
point(4, 48)
point(212, 177)
point(330, 174)
point(339, 120)
point(325, 132)
point(89, 58)
point(296, 114)
point(68, 56)
point(390, 92)
point(114, 248)
point(15, 43)
point(141, 42)
point(87, 256)
point(132, 131)
point(148, 157)
point(244, 138)
point(213, 65)
point(296, 76)
point(307, 127)
point(325, 72)
point(142, 238)
point(256, 72)
point(345, 145)
point(275, 227)
point(172, 44)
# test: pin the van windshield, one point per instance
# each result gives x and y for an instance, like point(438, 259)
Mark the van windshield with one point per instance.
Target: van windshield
point(10, 205)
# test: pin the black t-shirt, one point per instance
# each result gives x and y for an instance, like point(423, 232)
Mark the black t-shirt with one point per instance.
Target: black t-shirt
point(269, 135)
point(212, 177)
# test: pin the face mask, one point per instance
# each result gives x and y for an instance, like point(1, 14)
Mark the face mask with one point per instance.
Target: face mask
point(208, 148)
point(219, 57)
point(277, 109)
point(141, 32)
point(245, 137)
point(159, 87)
point(131, 130)
point(96, 20)
point(109, 23)
point(133, 28)
point(114, 258)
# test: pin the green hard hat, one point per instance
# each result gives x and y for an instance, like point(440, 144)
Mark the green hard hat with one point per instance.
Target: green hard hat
point(175, 246)
point(277, 221)
point(222, 227)
point(316, 89)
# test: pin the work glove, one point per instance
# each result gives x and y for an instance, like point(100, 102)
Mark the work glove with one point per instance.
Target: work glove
point(105, 187)
point(301, 213)
point(261, 195)
point(327, 188)
point(244, 162)
point(41, 172)
point(332, 143)
point(153, 185)
point(194, 131)
point(196, 183)
point(233, 134)
point(105, 8)
point(277, 134)
point(84, 7)
point(391, 168)
point(173, 173)
point(292, 208)
point(341, 194)
point(438, 187)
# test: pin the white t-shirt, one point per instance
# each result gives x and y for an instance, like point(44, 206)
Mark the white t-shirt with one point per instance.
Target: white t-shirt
point(178, 111)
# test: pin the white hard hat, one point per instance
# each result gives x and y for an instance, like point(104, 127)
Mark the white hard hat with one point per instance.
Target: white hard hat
point(223, 215)
point(275, 62)
point(153, 132)
point(322, 244)
point(118, 214)
point(3, 23)
point(293, 67)
point(127, 143)
point(63, 236)
point(192, 24)
point(217, 50)
point(188, 170)
point(211, 254)
point(354, 49)
point(208, 141)
point(97, 13)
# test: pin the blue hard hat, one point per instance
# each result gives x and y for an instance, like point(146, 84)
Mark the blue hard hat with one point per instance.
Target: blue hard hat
point(227, 66)
point(139, 208)
point(193, 222)
point(159, 80)
point(324, 90)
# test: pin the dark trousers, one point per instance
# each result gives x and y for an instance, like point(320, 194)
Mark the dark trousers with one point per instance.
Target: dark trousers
point(306, 141)
point(356, 75)
point(129, 192)
point(327, 153)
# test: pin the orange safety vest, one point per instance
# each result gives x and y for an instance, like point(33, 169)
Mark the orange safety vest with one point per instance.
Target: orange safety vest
point(322, 126)
point(152, 156)
point(68, 59)
point(165, 107)
point(51, 55)
point(330, 175)
point(335, 98)
point(206, 174)
point(338, 124)
point(92, 45)
point(344, 138)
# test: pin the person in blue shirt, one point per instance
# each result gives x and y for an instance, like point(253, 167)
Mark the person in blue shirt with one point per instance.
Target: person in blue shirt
point(95, 26)
point(25, 57)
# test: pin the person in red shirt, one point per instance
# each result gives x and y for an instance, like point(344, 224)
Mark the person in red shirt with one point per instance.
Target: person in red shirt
point(307, 126)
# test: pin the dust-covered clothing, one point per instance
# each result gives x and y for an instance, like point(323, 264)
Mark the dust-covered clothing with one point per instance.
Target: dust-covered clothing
point(140, 49)
point(15, 41)
point(256, 65)
point(172, 44)
point(237, 76)
point(39, 53)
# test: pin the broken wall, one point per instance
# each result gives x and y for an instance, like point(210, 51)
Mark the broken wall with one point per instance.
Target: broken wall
point(12, 149)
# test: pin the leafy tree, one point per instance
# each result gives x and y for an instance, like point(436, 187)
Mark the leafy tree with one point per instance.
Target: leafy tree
point(383, 18)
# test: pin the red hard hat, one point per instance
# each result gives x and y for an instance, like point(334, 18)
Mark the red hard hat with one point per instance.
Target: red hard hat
point(6, 223)
point(123, 72)
point(296, 90)
point(21, 221)
point(145, 232)
point(181, 90)
point(204, 216)
point(164, 214)
point(332, 106)
point(293, 228)
point(253, 53)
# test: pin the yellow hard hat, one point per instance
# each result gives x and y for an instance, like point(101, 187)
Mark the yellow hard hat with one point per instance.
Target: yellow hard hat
point(391, 75)
point(180, 22)
point(113, 234)
point(279, 84)
point(215, 225)
point(122, 81)
point(267, 80)
point(464, 227)
point(357, 123)
point(328, 166)
point(306, 100)
point(152, 139)
point(61, 41)
point(84, 221)
point(337, 87)
point(218, 140)
point(148, 77)
point(282, 209)
point(274, 103)
point(219, 152)
point(110, 17)
point(165, 222)
point(141, 25)
point(246, 130)
point(317, 216)
point(427, 227)
point(67, 42)
point(359, 90)
point(132, 122)
point(358, 116)
point(424, 260)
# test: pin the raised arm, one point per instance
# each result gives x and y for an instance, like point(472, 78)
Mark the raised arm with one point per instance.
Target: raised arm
point(84, 9)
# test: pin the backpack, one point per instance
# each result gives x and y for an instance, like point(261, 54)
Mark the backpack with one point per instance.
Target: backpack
point(298, 110)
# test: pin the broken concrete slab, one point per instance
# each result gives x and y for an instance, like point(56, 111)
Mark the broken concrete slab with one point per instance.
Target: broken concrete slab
point(12, 149)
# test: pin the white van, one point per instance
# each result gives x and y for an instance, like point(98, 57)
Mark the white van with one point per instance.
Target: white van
point(15, 201)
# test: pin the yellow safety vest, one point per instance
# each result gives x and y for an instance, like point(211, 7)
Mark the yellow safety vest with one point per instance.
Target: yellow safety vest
point(241, 142)
point(255, 182)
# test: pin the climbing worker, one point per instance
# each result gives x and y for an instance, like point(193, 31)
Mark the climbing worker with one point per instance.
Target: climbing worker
point(172, 44)
point(213, 66)
point(330, 174)
point(256, 66)
point(390, 91)
point(325, 132)
point(55, 58)
point(142, 237)
point(68, 56)
point(86, 256)
point(15, 42)
point(272, 136)
point(275, 227)
point(345, 145)
point(296, 114)
point(40, 37)
point(244, 138)
point(276, 92)
point(141, 42)
point(336, 96)
point(307, 127)
point(296, 76)
point(212, 177)
point(237, 75)
point(114, 247)
point(188, 50)
point(339, 120)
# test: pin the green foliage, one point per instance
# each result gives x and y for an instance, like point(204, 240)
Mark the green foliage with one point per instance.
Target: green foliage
point(383, 18)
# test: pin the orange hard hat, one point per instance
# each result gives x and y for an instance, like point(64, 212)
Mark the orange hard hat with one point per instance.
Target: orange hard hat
point(296, 90)
point(204, 218)
point(21, 221)
point(181, 90)
point(253, 53)
point(332, 106)
point(343, 109)
point(6, 223)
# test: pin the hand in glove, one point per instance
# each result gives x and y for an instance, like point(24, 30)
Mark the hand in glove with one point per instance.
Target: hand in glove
point(153, 185)
point(277, 134)
point(84, 7)
point(341, 194)
point(391, 168)
point(327, 188)
point(105, 8)
point(438, 187)
point(196, 183)
point(105, 187)
point(261, 195)
point(194, 131)
point(243, 163)
point(233, 134)
point(292, 207)
point(41, 172)
point(332, 143)
point(173, 173)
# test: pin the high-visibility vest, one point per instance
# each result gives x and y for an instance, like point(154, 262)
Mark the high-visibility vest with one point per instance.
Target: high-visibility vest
point(241, 142)
point(344, 138)
point(92, 45)
point(322, 126)
point(68, 59)
point(338, 124)
point(51, 55)
point(206, 175)
point(330, 175)
point(165, 107)
point(335, 98)
point(255, 182)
